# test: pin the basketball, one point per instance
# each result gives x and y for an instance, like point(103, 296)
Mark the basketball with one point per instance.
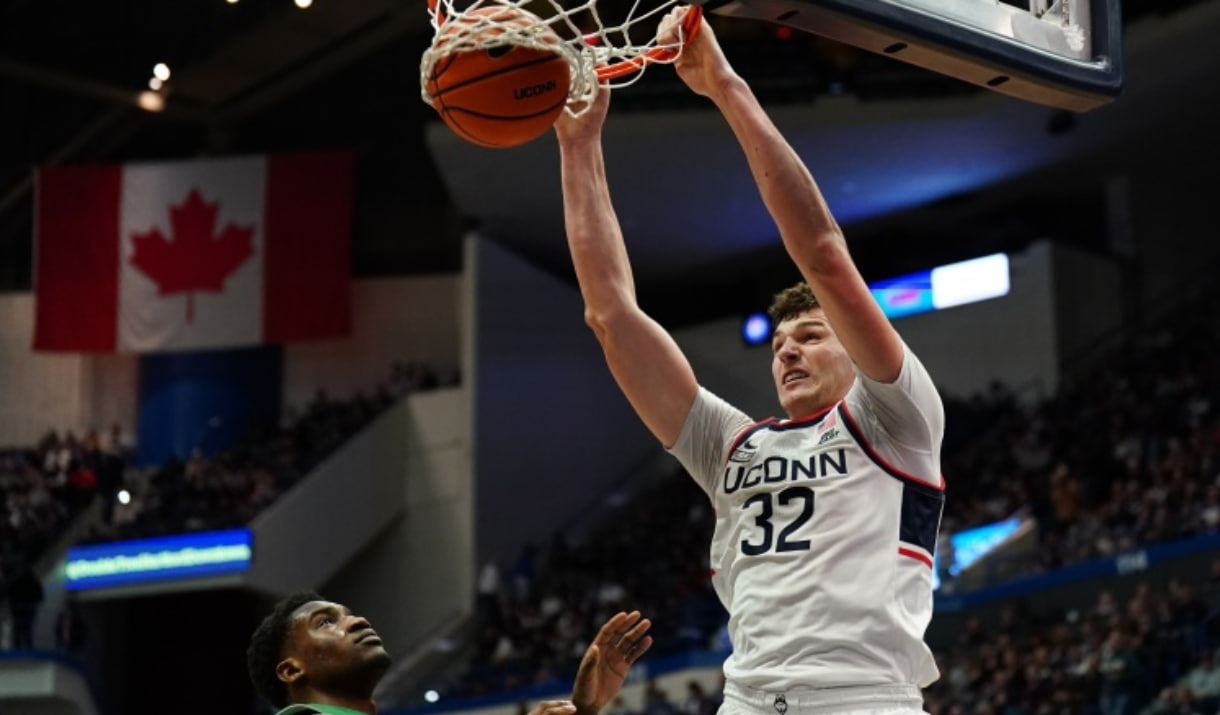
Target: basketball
point(504, 95)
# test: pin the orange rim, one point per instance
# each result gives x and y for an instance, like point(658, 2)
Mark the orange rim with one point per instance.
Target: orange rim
point(690, 27)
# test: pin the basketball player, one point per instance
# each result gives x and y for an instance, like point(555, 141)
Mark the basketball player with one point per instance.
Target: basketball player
point(825, 521)
point(313, 656)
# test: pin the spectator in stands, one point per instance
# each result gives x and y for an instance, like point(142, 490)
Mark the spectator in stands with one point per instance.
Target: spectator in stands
point(322, 658)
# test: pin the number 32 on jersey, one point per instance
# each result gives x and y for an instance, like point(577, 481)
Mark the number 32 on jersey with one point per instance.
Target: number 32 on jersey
point(778, 517)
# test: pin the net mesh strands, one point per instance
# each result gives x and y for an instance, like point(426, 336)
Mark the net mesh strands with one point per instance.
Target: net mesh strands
point(610, 44)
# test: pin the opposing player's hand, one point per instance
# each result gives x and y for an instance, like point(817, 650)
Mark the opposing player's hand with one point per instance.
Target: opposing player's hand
point(554, 707)
point(701, 64)
point(620, 643)
point(589, 123)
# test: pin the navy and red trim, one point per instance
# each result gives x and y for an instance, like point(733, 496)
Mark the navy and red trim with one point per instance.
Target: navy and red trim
point(890, 469)
point(923, 502)
point(915, 554)
point(775, 426)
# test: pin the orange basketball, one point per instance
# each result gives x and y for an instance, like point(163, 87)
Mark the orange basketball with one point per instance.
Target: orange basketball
point(504, 95)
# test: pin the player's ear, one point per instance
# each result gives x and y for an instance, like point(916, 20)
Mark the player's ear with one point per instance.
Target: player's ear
point(289, 670)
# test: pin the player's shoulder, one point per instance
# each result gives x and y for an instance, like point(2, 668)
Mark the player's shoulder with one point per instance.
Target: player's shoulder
point(708, 402)
point(913, 380)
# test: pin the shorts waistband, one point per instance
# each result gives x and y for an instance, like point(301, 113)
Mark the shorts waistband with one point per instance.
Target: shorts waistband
point(824, 699)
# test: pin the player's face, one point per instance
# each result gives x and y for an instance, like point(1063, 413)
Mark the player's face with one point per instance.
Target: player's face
point(334, 648)
point(811, 368)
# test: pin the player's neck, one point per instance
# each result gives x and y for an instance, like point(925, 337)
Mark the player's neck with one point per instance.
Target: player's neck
point(810, 408)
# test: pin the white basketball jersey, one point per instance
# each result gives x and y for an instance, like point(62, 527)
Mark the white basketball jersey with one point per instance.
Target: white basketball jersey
point(825, 529)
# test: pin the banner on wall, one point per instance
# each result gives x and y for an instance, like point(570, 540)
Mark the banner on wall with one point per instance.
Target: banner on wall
point(175, 256)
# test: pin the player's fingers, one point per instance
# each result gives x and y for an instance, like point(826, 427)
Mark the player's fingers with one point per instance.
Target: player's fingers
point(670, 27)
point(638, 649)
point(638, 630)
point(607, 630)
point(665, 31)
point(612, 630)
point(633, 631)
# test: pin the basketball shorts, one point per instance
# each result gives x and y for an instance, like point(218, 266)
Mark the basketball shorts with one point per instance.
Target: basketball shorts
point(857, 700)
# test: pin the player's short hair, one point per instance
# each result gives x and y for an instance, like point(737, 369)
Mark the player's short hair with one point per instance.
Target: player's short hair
point(791, 302)
point(266, 647)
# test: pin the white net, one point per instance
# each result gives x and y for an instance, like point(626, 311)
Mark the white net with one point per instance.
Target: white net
point(598, 49)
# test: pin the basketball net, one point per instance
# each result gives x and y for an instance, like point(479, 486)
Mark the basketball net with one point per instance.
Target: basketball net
point(607, 53)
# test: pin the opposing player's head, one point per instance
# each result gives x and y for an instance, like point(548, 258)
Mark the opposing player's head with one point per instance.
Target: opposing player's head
point(309, 647)
point(811, 368)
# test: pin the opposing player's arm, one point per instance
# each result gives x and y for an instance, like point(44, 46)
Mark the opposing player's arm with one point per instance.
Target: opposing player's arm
point(644, 359)
point(810, 233)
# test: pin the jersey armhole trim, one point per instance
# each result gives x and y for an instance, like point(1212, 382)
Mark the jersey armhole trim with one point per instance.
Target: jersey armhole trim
point(854, 429)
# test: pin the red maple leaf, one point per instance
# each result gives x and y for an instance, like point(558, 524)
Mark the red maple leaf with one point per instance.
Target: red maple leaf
point(196, 259)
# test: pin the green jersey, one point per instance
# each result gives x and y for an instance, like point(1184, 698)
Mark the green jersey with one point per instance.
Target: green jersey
point(310, 709)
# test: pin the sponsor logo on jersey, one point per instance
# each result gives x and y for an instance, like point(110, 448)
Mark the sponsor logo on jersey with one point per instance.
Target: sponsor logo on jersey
point(744, 453)
point(827, 436)
point(781, 704)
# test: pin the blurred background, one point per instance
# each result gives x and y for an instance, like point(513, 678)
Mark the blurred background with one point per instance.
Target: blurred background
point(450, 457)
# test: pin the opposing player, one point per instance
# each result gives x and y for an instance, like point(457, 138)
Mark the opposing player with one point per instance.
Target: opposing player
point(825, 521)
point(310, 655)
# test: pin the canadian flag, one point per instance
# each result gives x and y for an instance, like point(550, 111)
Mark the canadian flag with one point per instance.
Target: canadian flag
point(192, 255)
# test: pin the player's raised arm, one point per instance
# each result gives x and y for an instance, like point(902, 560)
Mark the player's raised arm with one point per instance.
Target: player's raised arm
point(645, 361)
point(809, 231)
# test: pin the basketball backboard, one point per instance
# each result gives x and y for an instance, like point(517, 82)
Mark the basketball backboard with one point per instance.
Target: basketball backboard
point(1060, 53)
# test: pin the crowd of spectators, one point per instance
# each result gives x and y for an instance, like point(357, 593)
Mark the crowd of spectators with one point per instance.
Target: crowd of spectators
point(1149, 653)
point(1152, 652)
point(1124, 456)
point(228, 488)
point(46, 485)
point(534, 617)
point(43, 488)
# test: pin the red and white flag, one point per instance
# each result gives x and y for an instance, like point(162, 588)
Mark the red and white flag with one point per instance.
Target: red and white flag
point(193, 255)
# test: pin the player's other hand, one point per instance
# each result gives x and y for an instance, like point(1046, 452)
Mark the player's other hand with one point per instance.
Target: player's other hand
point(588, 125)
point(701, 63)
point(619, 644)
